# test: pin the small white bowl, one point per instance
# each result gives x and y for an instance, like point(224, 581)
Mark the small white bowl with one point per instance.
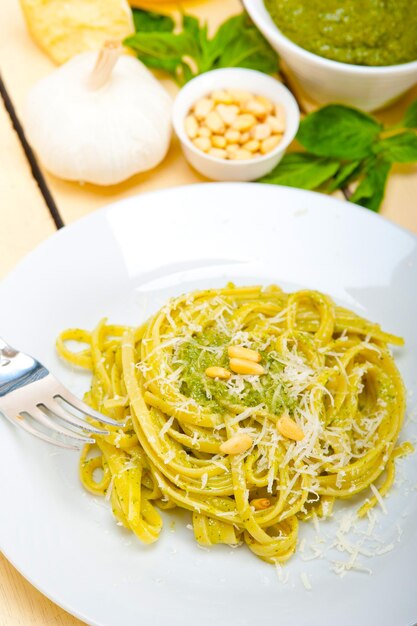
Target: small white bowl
point(368, 88)
point(234, 78)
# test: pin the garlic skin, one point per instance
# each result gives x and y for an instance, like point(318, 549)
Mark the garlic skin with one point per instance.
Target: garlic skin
point(99, 135)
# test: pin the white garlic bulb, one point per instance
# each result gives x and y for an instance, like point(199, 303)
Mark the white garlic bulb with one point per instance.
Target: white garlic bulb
point(99, 118)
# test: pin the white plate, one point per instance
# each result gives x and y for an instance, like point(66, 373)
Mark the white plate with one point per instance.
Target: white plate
point(123, 262)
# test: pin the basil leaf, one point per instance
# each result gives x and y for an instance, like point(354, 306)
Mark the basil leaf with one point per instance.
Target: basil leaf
point(410, 117)
point(162, 50)
point(340, 132)
point(344, 175)
point(212, 48)
point(163, 45)
point(148, 21)
point(299, 169)
point(191, 25)
point(237, 43)
point(400, 148)
point(169, 65)
point(371, 189)
point(249, 49)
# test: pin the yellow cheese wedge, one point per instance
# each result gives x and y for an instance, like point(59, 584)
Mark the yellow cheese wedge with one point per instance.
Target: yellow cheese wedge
point(64, 29)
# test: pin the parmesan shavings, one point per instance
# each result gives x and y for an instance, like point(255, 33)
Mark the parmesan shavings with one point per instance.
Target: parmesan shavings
point(204, 480)
point(306, 581)
point(166, 427)
point(379, 498)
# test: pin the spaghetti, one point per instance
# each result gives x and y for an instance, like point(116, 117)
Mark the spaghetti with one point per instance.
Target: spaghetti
point(327, 372)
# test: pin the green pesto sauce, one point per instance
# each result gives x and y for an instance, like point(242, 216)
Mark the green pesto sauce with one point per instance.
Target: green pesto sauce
point(362, 32)
point(215, 394)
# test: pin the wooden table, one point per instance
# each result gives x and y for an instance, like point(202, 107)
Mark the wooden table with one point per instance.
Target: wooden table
point(25, 221)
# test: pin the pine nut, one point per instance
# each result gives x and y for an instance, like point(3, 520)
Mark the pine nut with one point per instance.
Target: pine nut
point(275, 124)
point(219, 153)
point(232, 136)
point(255, 107)
point(191, 126)
point(280, 115)
point(259, 504)
point(289, 429)
point(203, 131)
point(236, 444)
point(203, 107)
point(261, 131)
point(244, 137)
point(239, 95)
point(222, 96)
point(218, 141)
point(266, 102)
point(232, 149)
point(243, 366)
point(270, 144)
point(228, 113)
point(243, 122)
point(214, 122)
point(218, 372)
point(237, 352)
point(252, 145)
point(202, 143)
point(241, 155)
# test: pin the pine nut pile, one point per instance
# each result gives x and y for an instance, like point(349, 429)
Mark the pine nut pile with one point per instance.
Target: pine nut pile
point(235, 125)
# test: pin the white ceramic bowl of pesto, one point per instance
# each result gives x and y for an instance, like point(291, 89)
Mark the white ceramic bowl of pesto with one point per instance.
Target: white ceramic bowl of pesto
point(324, 80)
point(234, 78)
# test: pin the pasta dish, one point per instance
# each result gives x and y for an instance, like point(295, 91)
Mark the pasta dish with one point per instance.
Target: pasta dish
point(252, 408)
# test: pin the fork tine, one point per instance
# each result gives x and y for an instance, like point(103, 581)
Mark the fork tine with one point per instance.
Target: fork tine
point(42, 418)
point(36, 433)
point(60, 412)
point(76, 403)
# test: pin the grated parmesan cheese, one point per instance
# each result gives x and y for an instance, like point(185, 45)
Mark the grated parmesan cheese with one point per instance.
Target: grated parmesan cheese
point(379, 498)
point(166, 427)
point(305, 580)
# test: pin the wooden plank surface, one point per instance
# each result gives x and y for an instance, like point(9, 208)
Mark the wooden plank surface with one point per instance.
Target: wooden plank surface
point(25, 221)
point(23, 64)
point(24, 218)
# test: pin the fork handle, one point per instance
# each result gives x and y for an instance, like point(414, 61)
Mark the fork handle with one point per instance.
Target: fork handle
point(6, 350)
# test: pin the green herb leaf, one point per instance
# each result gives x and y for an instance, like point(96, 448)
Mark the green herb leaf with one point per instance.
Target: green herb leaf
point(401, 148)
point(248, 49)
point(346, 145)
point(346, 172)
point(211, 49)
point(162, 50)
point(410, 117)
point(371, 189)
point(148, 21)
point(226, 33)
point(237, 43)
point(339, 132)
point(303, 170)
point(191, 25)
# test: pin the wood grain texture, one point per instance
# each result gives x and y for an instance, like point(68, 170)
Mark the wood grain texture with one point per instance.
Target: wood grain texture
point(23, 605)
point(24, 222)
point(24, 218)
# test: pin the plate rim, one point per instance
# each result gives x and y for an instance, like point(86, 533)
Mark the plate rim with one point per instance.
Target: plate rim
point(96, 214)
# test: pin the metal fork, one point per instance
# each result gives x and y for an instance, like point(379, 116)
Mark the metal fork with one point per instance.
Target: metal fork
point(28, 398)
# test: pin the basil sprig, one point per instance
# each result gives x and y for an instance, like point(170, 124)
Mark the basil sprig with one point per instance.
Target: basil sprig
point(346, 146)
point(190, 51)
